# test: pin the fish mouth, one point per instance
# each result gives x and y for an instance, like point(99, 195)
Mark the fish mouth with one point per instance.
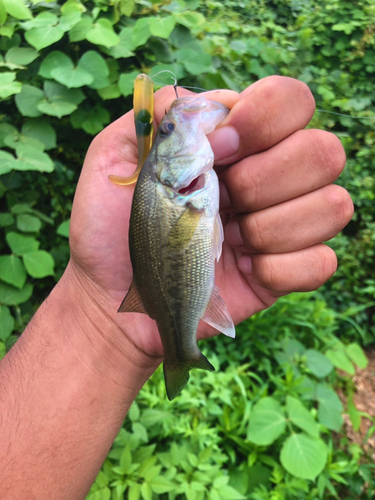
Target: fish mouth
point(195, 185)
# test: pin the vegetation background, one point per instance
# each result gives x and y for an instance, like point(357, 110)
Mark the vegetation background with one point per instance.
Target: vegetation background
point(269, 423)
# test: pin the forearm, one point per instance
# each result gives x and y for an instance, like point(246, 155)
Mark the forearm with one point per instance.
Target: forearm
point(65, 389)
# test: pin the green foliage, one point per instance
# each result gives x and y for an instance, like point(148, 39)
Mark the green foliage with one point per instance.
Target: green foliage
point(265, 425)
point(260, 427)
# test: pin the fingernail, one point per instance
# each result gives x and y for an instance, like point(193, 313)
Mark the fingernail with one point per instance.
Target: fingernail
point(233, 234)
point(224, 196)
point(225, 142)
point(245, 264)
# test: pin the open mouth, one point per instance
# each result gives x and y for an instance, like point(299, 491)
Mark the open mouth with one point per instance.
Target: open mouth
point(195, 185)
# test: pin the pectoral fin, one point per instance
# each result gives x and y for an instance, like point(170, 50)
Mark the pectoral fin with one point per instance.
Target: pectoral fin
point(218, 237)
point(217, 315)
point(132, 301)
point(184, 229)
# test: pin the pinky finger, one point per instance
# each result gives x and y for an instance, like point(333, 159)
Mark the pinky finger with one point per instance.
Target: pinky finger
point(300, 271)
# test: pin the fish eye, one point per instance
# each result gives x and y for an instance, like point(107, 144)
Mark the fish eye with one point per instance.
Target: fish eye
point(167, 128)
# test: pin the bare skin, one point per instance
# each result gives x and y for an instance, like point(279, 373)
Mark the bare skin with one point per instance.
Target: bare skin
point(67, 384)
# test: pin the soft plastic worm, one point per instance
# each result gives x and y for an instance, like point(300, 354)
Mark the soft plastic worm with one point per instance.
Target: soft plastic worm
point(143, 100)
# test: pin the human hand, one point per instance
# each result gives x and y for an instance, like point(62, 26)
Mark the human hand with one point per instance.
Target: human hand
point(277, 200)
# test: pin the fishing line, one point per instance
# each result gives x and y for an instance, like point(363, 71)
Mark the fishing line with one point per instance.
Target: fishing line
point(349, 116)
point(174, 77)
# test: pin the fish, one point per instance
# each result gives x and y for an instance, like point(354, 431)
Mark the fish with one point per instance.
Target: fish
point(176, 235)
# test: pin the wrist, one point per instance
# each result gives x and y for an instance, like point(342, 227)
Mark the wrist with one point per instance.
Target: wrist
point(90, 328)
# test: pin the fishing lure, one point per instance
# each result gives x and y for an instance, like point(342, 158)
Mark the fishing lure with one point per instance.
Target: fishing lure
point(143, 102)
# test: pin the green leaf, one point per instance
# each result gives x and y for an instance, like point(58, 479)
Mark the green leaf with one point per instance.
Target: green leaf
point(356, 354)
point(32, 159)
point(122, 49)
point(63, 229)
point(161, 26)
point(6, 323)
point(20, 244)
point(15, 140)
point(189, 19)
point(60, 100)
point(340, 360)
point(6, 220)
point(330, 408)
point(140, 431)
point(28, 224)
point(80, 30)
point(71, 15)
point(110, 92)
point(21, 208)
point(17, 9)
point(126, 82)
point(54, 60)
point(303, 456)
point(146, 491)
point(160, 485)
point(39, 264)
point(94, 64)
point(11, 296)
point(318, 364)
point(102, 34)
point(195, 62)
point(267, 422)
point(92, 121)
point(127, 7)
point(3, 13)
point(7, 162)
point(8, 86)
point(134, 492)
point(141, 32)
point(28, 100)
point(12, 271)
point(42, 131)
point(72, 77)
point(5, 130)
point(301, 417)
point(354, 414)
point(43, 37)
point(228, 493)
point(22, 56)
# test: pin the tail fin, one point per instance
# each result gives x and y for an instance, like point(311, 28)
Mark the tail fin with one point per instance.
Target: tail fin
point(176, 374)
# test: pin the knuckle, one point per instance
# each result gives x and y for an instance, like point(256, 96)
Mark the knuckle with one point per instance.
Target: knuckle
point(266, 273)
point(254, 235)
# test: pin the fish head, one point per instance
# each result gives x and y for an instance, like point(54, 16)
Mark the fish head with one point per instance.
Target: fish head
point(183, 152)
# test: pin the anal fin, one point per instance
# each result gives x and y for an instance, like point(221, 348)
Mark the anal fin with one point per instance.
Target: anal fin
point(132, 301)
point(217, 315)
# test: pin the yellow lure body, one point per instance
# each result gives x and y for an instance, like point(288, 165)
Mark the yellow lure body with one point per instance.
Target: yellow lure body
point(143, 101)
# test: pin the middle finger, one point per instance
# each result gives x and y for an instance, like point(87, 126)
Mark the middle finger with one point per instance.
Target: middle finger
point(293, 225)
point(305, 161)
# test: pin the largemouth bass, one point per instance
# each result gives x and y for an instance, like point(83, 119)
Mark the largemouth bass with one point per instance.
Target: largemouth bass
point(175, 236)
